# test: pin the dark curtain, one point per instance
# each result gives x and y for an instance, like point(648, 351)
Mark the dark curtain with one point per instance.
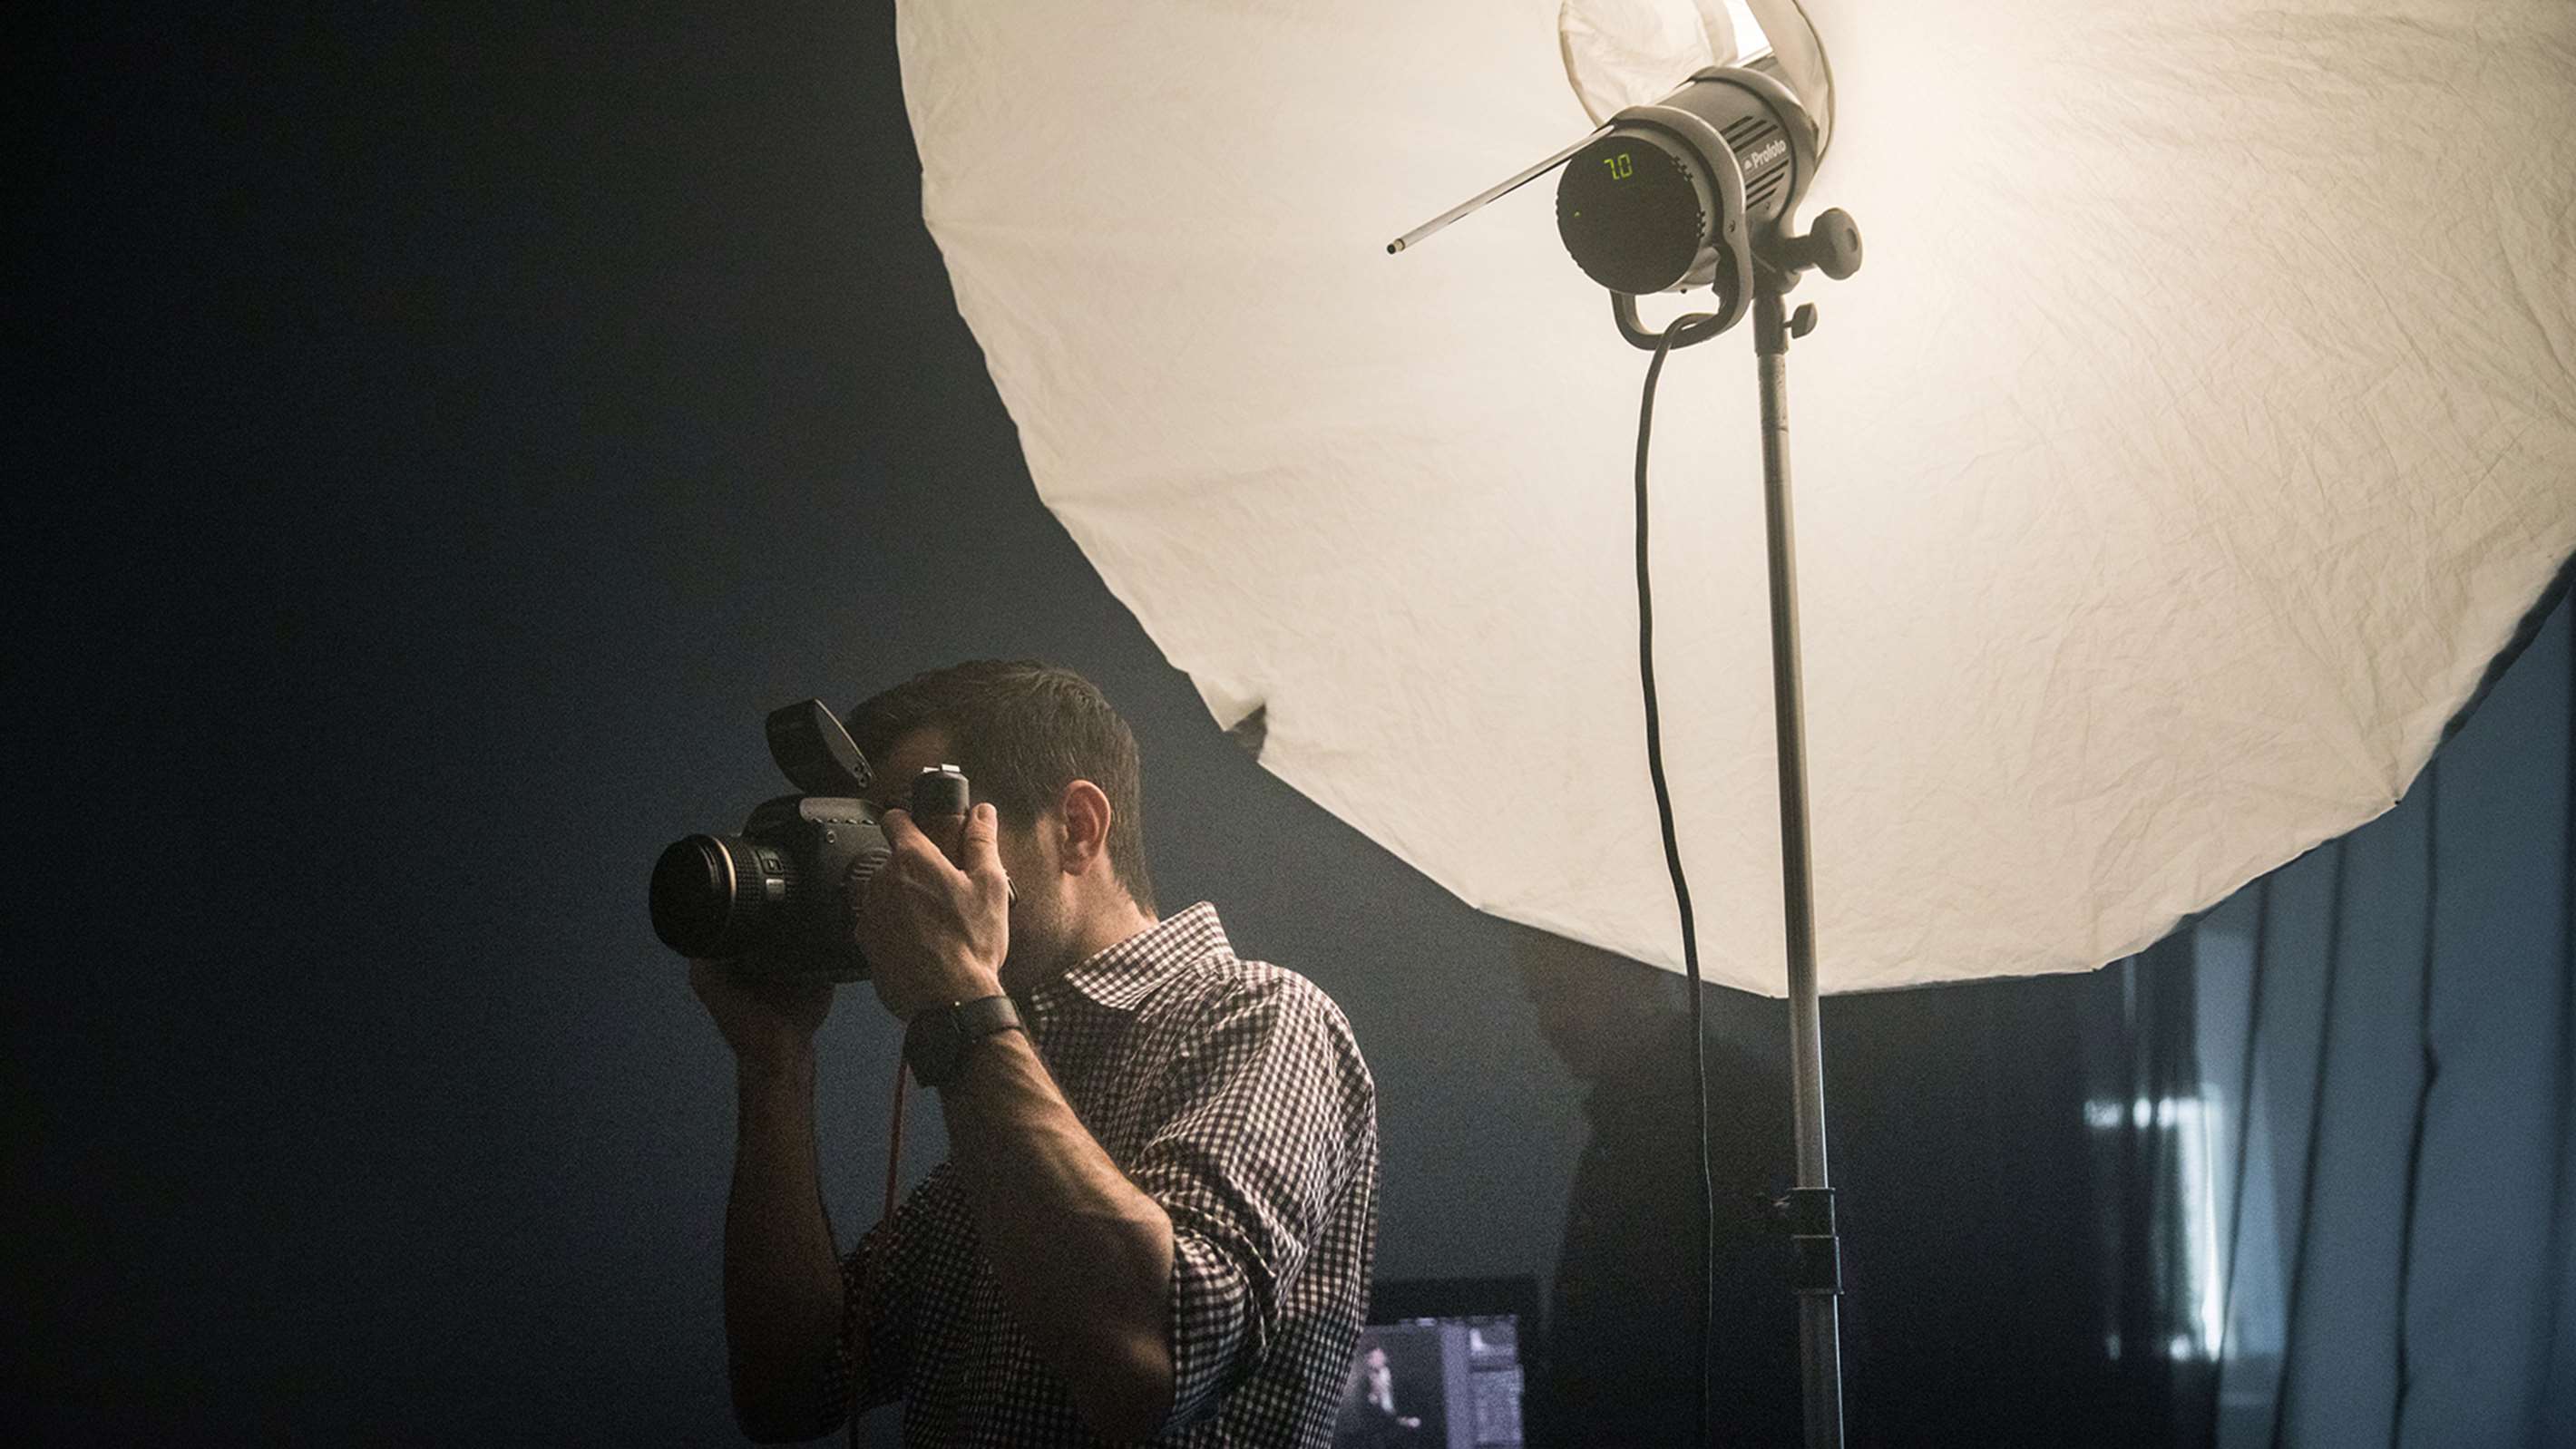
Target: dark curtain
point(2299, 1175)
point(2397, 1206)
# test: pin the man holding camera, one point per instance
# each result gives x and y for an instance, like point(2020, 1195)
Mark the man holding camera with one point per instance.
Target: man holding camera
point(1157, 1215)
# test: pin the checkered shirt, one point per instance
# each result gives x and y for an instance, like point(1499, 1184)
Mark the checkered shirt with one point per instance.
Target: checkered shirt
point(1230, 1091)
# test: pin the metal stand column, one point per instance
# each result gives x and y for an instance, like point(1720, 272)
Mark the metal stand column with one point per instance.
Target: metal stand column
point(1811, 1206)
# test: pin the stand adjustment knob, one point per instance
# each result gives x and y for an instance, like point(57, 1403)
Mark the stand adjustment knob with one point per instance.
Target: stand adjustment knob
point(1831, 245)
point(1803, 321)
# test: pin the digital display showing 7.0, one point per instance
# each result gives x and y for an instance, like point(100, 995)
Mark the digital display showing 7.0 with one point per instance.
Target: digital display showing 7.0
point(1629, 213)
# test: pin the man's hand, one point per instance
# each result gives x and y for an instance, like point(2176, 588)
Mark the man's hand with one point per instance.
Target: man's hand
point(767, 1023)
point(935, 933)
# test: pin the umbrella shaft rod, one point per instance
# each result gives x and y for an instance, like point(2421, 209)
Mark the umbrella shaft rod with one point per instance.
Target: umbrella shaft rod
point(1819, 1329)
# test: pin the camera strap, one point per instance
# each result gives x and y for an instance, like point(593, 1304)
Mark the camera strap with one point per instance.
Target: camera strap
point(894, 1179)
point(894, 1141)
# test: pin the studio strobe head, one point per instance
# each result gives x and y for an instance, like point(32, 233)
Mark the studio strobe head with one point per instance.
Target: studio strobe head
point(1692, 190)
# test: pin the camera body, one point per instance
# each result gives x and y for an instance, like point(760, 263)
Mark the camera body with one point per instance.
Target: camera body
point(776, 899)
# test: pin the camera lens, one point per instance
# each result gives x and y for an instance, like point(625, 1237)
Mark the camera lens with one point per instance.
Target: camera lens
point(711, 897)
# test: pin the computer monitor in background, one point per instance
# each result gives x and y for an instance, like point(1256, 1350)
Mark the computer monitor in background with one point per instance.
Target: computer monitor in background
point(1438, 1365)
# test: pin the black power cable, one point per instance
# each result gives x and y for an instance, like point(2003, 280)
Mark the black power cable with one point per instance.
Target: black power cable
point(1681, 884)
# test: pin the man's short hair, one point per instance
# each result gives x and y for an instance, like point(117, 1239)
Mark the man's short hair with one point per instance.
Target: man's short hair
point(1022, 731)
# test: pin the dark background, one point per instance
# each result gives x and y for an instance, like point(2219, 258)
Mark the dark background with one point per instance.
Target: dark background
point(440, 437)
point(453, 431)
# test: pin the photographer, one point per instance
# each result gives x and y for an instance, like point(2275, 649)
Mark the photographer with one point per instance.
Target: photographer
point(1156, 1218)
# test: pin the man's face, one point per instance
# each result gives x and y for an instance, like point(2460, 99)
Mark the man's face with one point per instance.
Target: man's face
point(1037, 908)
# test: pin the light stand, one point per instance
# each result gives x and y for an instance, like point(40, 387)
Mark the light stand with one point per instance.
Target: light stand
point(1698, 190)
point(1832, 246)
point(1818, 1258)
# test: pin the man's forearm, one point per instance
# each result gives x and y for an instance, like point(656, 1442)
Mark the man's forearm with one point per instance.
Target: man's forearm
point(1084, 1259)
point(782, 1278)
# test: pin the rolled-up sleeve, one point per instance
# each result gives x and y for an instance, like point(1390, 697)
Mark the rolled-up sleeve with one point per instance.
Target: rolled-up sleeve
point(1262, 1118)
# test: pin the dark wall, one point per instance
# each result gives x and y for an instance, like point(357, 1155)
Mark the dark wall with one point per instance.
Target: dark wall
point(453, 432)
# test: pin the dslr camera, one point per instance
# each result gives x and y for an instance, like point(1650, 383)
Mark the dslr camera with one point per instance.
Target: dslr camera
point(776, 899)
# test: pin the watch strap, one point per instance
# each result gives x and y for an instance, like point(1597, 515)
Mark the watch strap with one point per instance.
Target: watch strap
point(936, 1040)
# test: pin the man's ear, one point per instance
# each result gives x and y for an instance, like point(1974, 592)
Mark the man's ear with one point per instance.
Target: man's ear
point(1084, 809)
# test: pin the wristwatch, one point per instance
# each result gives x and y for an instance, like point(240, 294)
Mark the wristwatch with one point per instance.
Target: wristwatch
point(936, 1039)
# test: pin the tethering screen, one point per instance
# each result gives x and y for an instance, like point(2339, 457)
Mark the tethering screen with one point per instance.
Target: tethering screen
point(1438, 1366)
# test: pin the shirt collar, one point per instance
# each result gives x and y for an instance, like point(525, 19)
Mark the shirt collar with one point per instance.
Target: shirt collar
point(1122, 976)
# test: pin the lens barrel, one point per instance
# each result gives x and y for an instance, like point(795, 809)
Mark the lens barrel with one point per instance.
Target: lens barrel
point(717, 897)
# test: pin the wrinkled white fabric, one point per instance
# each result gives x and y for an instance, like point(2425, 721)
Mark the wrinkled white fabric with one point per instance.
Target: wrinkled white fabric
point(2202, 423)
point(1621, 53)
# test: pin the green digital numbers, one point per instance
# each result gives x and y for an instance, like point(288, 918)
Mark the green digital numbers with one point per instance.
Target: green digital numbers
point(1620, 166)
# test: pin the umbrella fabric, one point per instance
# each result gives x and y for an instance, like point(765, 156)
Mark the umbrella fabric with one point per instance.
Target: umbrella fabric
point(2201, 426)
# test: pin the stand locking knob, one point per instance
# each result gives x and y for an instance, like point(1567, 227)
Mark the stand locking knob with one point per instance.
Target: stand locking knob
point(1831, 245)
